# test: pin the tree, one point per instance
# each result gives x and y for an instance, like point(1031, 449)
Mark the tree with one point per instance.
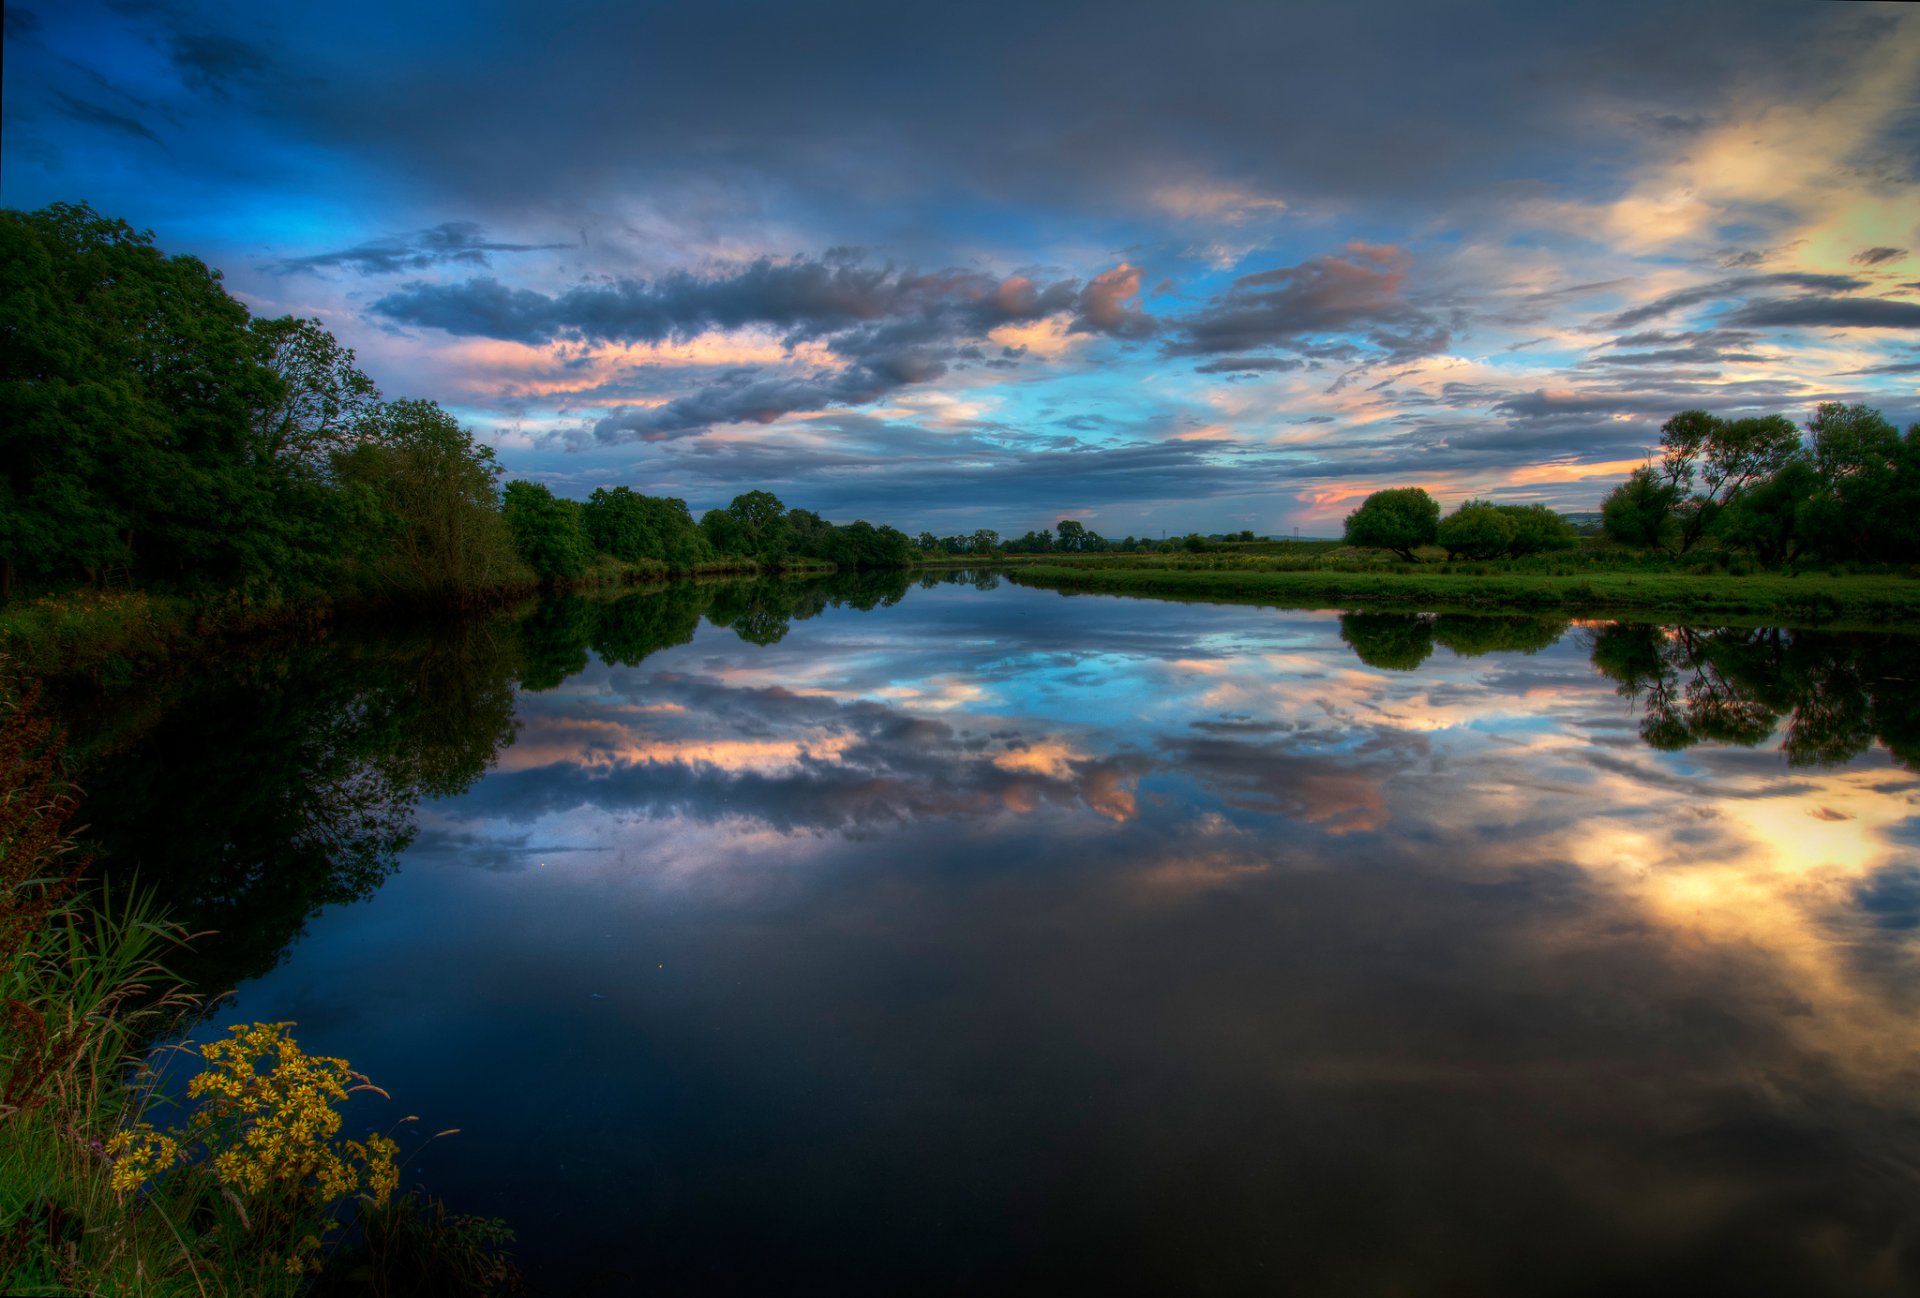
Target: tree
point(321, 400)
point(1724, 456)
point(546, 530)
point(985, 541)
point(808, 534)
point(128, 380)
point(629, 526)
point(435, 495)
point(1397, 519)
point(1476, 530)
point(1865, 502)
point(1073, 534)
point(1769, 518)
point(763, 523)
point(723, 533)
point(1537, 529)
point(1639, 512)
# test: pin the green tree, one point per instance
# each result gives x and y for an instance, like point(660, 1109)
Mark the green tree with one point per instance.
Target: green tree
point(1722, 456)
point(1537, 529)
point(1865, 502)
point(1476, 530)
point(128, 385)
point(321, 401)
point(808, 534)
point(1769, 518)
point(1073, 535)
point(724, 534)
point(1398, 519)
point(435, 498)
point(1639, 512)
point(763, 524)
point(547, 531)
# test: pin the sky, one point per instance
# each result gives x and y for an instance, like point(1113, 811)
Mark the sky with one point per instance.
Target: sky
point(1157, 268)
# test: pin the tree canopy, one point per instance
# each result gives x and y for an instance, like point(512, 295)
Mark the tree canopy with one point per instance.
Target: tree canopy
point(1397, 519)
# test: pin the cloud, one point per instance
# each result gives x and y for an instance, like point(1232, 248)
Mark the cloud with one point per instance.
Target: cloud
point(890, 327)
point(1725, 289)
point(1877, 256)
point(1895, 367)
point(449, 243)
point(1359, 294)
point(1250, 365)
point(96, 115)
point(1829, 312)
point(213, 64)
point(1110, 304)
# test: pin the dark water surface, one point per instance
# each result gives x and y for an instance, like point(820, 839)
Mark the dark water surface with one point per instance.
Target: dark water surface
point(826, 940)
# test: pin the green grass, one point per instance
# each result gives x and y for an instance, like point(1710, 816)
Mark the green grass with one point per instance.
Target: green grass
point(1877, 600)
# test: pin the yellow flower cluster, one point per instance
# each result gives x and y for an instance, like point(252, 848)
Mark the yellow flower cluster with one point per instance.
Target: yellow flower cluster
point(139, 1154)
point(268, 1117)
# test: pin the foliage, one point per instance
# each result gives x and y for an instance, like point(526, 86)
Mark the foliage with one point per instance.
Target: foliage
point(547, 532)
point(433, 492)
point(1849, 490)
point(1723, 456)
point(1639, 511)
point(1476, 530)
point(1865, 496)
point(623, 523)
point(1398, 519)
point(323, 402)
point(129, 383)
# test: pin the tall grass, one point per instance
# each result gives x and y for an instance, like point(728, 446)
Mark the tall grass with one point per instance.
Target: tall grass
point(255, 1192)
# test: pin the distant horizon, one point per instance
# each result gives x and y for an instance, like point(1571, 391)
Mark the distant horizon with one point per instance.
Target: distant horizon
point(1155, 270)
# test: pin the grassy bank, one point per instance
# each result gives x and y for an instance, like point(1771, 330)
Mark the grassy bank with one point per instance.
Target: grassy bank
point(255, 1187)
point(113, 635)
point(1878, 600)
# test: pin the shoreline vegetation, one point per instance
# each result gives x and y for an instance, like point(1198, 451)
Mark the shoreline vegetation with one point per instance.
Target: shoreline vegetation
point(259, 1187)
point(1884, 602)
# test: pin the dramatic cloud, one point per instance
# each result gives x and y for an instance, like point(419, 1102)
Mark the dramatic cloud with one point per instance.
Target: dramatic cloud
point(890, 327)
point(947, 262)
point(1357, 294)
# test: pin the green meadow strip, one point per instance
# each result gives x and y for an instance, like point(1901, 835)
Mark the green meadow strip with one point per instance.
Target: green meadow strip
point(1864, 600)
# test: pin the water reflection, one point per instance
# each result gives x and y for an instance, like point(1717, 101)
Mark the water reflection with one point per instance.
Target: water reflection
point(987, 939)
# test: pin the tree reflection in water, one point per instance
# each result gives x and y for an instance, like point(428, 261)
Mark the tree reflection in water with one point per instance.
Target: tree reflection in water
point(251, 796)
point(1837, 692)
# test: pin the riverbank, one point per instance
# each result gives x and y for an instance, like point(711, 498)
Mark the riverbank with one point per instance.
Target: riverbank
point(114, 635)
point(1868, 601)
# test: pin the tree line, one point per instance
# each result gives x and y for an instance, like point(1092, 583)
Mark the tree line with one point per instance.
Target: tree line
point(156, 434)
point(1848, 488)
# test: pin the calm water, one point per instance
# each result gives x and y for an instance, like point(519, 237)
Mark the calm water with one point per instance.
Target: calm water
point(866, 939)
